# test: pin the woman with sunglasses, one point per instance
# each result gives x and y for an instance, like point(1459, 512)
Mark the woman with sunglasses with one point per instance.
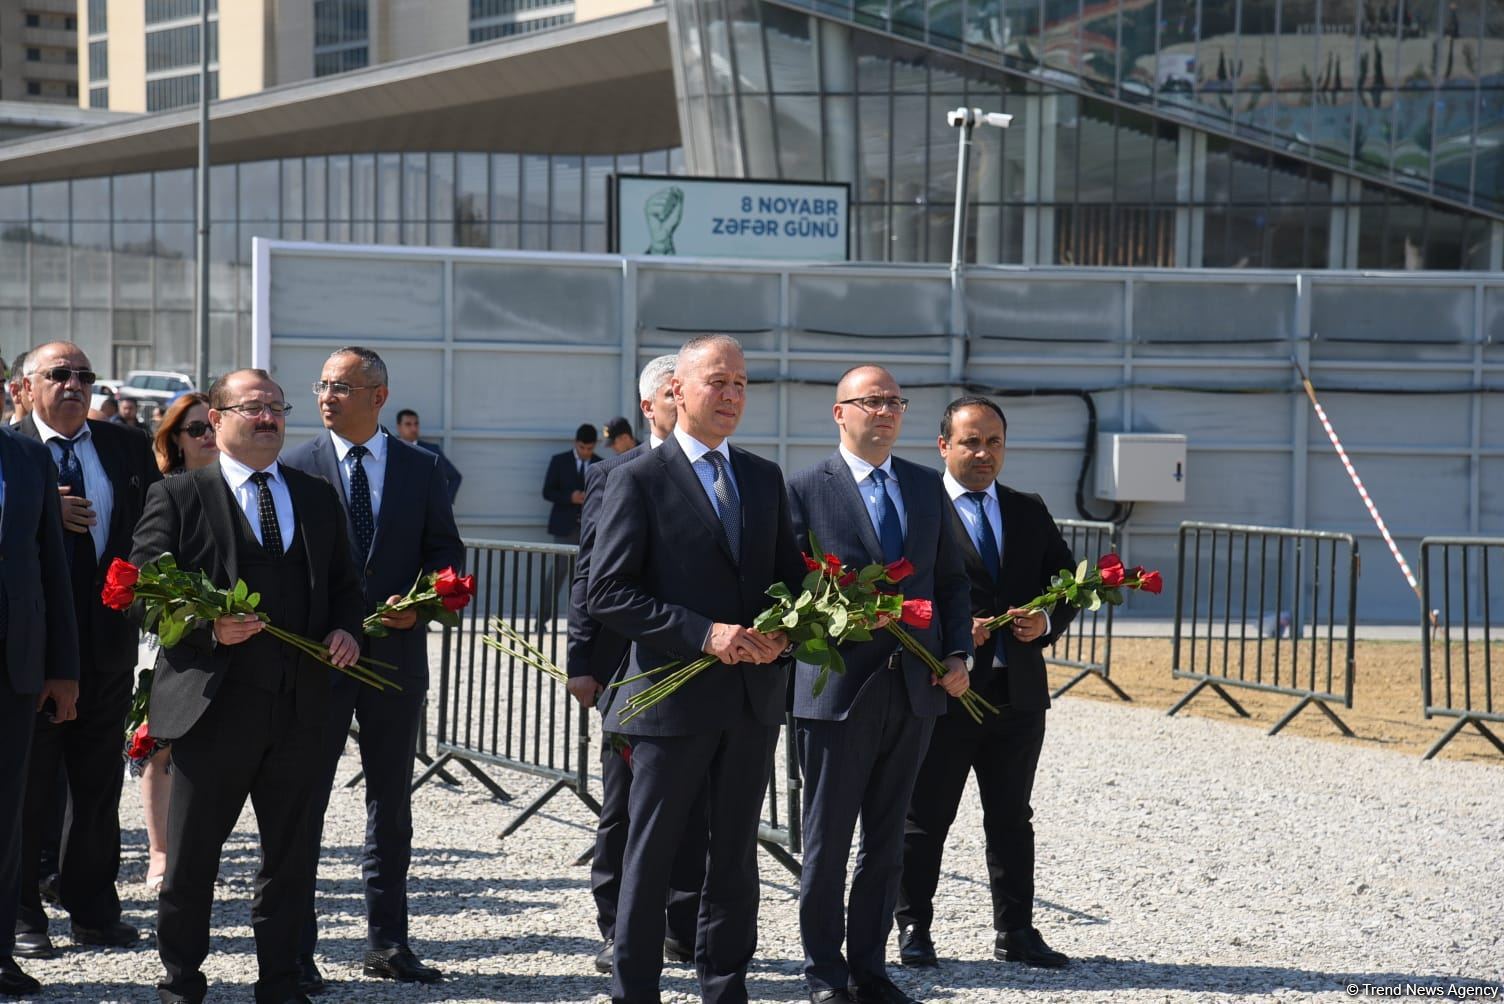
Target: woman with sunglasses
point(184, 442)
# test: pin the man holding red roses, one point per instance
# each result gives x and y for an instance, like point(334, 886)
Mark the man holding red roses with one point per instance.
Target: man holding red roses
point(862, 736)
point(400, 526)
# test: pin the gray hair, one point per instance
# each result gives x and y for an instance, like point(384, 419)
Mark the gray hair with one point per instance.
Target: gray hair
point(653, 375)
point(370, 363)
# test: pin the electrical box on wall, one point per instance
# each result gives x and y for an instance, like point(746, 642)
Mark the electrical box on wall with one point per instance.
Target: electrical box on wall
point(1140, 467)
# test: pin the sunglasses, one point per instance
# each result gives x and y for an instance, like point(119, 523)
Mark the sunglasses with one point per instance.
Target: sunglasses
point(196, 429)
point(60, 374)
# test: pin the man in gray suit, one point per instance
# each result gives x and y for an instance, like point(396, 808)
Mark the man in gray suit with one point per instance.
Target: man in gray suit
point(861, 740)
point(38, 653)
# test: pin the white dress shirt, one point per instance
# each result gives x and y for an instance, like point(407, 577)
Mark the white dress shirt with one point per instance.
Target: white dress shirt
point(96, 482)
point(374, 464)
point(861, 471)
point(248, 496)
point(654, 441)
point(967, 510)
point(695, 451)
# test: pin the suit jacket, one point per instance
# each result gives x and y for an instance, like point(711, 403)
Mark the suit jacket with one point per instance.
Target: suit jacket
point(42, 642)
point(451, 473)
point(415, 535)
point(825, 499)
point(563, 480)
point(594, 650)
point(662, 572)
point(1033, 551)
point(132, 469)
point(193, 516)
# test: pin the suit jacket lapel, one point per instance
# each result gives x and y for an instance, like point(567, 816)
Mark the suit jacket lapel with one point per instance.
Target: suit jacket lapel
point(394, 480)
point(973, 558)
point(302, 506)
point(327, 464)
point(682, 474)
point(112, 462)
point(845, 486)
point(214, 495)
point(917, 505)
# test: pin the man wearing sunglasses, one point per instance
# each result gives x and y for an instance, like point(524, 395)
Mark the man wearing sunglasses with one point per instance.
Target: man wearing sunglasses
point(103, 473)
point(245, 713)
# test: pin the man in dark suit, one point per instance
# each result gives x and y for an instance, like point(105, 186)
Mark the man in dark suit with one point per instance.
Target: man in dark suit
point(411, 432)
point(104, 471)
point(38, 654)
point(1012, 548)
point(564, 488)
point(861, 740)
point(400, 527)
point(244, 711)
point(594, 656)
point(690, 536)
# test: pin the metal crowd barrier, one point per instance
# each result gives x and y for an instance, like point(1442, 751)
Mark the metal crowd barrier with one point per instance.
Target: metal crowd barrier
point(1087, 646)
point(495, 710)
point(1467, 614)
point(1269, 609)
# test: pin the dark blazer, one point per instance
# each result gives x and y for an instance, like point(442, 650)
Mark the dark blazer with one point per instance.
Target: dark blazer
point(563, 480)
point(824, 499)
point(193, 516)
point(451, 473)
point(662, 572)
point(127, 459)
point(42, 643)
point(415, 534)
point(1033, 551)
point(594, 650)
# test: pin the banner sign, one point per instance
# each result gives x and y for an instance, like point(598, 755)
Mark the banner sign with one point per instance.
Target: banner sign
point(729, 218)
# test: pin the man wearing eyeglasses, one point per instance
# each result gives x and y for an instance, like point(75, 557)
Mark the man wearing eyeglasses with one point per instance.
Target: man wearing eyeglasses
point(103, 473)
point(861, 739)
point(244, 712)
point(400, 526)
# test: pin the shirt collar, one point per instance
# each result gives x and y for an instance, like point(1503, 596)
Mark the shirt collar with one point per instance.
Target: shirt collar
point(696, 450)
point(237, 474)
point(654, 441)
point(956, 489)
point(48, 433)
point(376, 445)
point(861, 469)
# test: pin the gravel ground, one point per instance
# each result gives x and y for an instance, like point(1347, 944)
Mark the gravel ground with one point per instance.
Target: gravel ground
point(1179, 859)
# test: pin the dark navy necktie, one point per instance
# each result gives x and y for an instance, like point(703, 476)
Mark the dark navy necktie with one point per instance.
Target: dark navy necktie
point(889, 527)
point(271, 533)
point(70, 474)
point(728, 506)
point(360, 504)
point(988, 547)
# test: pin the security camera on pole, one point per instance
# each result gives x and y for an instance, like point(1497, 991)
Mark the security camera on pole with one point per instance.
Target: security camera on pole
point(964, 119)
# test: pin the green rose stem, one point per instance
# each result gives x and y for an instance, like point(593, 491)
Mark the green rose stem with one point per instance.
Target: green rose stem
point(525, 651)
point(973, 702)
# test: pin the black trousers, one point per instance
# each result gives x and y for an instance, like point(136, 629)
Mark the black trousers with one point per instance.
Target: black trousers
point(88, 750)
point(388, 746)
point(685, 880)
point(670, 773)
point(17, 716)
point(249, 743)
point(1004, 752)
point(860, 768)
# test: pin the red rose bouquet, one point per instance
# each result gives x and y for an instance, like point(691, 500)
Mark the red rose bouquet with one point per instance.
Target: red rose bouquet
point(139, 744)
point(178, 601)
point(1089, 588)
point(437, 596)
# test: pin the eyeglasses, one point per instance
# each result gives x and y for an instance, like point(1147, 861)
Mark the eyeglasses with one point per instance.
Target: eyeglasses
point(254, 409)
point(197, 429)
point(61, 374)
point(876, 404)
point(339, 388)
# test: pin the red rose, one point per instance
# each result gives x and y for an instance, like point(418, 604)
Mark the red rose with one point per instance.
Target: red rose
point(1111, 568)
point(811, 563)
point(467, 583)
point(1151, 582)
point(447, 583)
point(917, 613)
point(142, 746)
point(117, 597)
point(899, 570)
point(122, 573)
point(455, 601)
point(832, 564)
point(846, 579)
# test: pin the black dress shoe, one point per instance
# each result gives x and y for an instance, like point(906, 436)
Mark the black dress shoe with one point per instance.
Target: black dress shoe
point(1025, 945)
point(310, 980)
point(606, 956)
point(116, 935)
point(915, 947)
point(401, 965)
point(34, 945)
point(13, 982)
point(829, 997)
point(881, 991)
point(677, 951)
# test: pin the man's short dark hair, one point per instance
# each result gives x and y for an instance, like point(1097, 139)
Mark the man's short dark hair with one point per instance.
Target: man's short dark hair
point(618, 426)
point(971, 401)
point(370, 363)
point(585, 433)
point(405, 413)
point(219, 396)
point(126, 397)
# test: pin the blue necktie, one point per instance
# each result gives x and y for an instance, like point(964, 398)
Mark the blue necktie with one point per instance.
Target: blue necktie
point(360, 504)
point(70, 474)
point(889, 529)
point(991, 553)
point(728, 507)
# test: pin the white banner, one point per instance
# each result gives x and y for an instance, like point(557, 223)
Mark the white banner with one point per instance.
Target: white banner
point(729, 218)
